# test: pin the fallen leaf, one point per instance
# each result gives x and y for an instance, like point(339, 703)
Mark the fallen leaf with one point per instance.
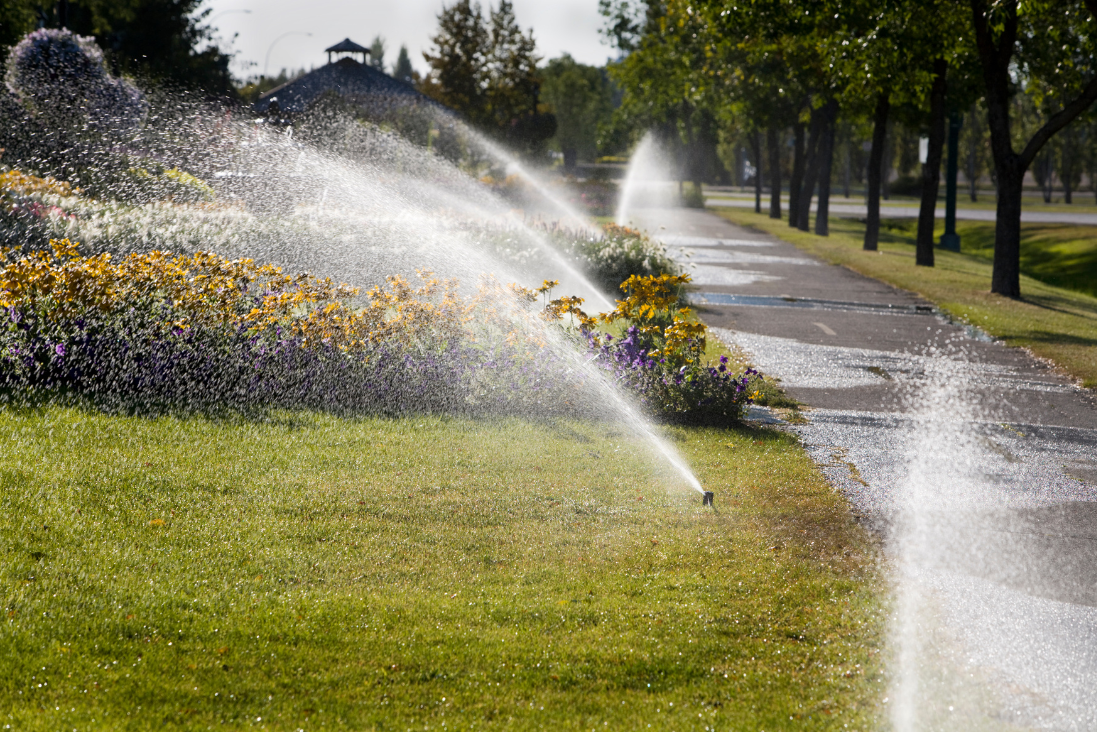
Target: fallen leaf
point(156, 522)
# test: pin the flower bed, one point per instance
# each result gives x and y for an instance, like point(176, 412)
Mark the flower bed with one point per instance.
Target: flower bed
point(158, 332)
point(660, 357)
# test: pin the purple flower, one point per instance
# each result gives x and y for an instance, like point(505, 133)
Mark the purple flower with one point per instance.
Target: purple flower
point(60, 349)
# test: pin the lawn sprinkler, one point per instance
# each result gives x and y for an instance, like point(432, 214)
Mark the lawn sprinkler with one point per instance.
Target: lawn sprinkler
point(707, 500)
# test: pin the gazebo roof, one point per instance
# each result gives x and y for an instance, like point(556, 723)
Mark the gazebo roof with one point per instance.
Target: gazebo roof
point(346, 46)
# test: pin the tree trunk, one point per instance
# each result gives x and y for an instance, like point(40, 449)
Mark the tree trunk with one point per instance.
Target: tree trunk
point(797, 179)
point(811, 171)
point(1006, 276)
point(773, 144)
point(756, 153)
point(996, 47)
point(1049, 178)
point(571, 158)
point(1066, 165)
point(931, 171)
point(849, 164)
point(826, 162)
point(875, 168)
point(885, 166)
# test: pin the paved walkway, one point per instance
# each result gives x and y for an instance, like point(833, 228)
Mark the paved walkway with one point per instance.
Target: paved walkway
point(859, 210)
point(977, 462)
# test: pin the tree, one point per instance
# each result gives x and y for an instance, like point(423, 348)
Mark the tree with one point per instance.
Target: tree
point(1051, 44)
point(513, 83)
point(1067, 151)
point(377, 53)
point(931, 169)
point(402, 69)
point(581, 98)
point(459, 61)
point(489, 73)
point(667, 81)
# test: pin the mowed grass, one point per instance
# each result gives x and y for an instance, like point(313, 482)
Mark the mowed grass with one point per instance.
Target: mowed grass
point(1053, 322)
point(1064, 255)
point(314, 573)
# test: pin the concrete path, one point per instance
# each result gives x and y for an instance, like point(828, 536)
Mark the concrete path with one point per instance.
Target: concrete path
point(859, 210)
point(976, 462)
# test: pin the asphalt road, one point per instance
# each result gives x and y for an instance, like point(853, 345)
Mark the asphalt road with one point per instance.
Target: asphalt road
point(976, 462)
point(849, 210)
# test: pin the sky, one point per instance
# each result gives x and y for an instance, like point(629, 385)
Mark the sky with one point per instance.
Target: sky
point(278, 27)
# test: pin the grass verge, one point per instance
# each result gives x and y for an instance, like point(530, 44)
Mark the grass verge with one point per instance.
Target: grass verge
point(312, 572)
point(1053, 322)
point(1063, 255)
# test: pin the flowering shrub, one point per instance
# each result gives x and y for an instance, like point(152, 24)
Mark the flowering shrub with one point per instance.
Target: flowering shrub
point(15, 182)
point(55, 72)
point(163, 184)
point(659, 358)
point(691, 394)
point(614, 255)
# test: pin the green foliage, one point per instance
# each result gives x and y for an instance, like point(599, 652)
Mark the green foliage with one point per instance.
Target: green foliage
point(488, 73)
point(256, 87)
point(458, 61)
point(614, 256)
point(666, 83)
point(693, 196)
point(377, 53)
point(165, 184)
point(165, 41)
point(402, 69)
point(581, 98)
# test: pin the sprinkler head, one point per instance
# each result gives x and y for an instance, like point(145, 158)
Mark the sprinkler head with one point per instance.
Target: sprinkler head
point(707, 500)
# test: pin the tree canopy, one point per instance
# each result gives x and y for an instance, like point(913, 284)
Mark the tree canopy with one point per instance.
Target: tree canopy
point(164, 41)
point(794, 67)
point(486, 69)
point(581, 98)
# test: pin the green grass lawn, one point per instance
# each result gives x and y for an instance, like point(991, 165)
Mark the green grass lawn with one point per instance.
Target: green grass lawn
point(310, 572)
point(1032, 201)
point(1054, 322)
point(1064, 255)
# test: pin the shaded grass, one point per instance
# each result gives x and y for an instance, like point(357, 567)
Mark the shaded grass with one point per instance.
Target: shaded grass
point(1053, 322)
point(1032, 202)
point(319, 572)
point(1063, 255)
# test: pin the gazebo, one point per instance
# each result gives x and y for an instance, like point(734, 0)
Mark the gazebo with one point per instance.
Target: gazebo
point(358, 83)
point(349, 47)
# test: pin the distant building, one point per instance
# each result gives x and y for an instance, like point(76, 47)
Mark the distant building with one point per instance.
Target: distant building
point(358, 83)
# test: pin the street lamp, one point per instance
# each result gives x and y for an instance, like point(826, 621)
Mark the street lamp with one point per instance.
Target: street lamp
point(266, 62)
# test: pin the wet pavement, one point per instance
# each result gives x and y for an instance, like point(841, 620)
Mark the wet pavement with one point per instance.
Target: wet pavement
point(976, 462)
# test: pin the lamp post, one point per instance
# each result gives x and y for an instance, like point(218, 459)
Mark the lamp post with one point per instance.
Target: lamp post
point(266, 62)
point(950, 240)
